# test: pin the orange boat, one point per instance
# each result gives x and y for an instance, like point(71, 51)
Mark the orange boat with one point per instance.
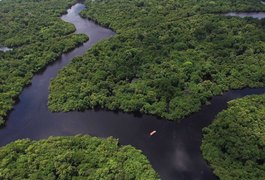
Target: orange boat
point(152, 133)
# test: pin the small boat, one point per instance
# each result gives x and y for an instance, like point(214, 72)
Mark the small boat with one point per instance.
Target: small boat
point(152, 133)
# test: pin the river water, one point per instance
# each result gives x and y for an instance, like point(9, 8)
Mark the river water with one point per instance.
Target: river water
point(174, 151)
point(5, 49)
point(257, 15)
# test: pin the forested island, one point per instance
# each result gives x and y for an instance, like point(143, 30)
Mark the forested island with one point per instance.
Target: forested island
point(234, 144)
point(38, 37)
point(167, 59)
point(76, 157)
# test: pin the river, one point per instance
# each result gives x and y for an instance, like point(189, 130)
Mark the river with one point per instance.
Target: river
point(5, 49)
point(174, 151)
point(257, 15)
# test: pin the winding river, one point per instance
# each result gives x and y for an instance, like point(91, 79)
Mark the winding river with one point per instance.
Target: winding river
point(174, 151)
point(257, 15)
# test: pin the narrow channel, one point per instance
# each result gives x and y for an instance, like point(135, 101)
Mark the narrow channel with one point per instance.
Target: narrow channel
point(5, 49)
point(174, 151)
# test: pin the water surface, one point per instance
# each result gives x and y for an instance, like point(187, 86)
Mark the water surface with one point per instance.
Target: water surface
point(256, 15)
point(5, 49)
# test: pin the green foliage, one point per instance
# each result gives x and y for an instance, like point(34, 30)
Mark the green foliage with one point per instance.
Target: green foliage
point(38, 36)
point(234, 143)
point(168, 58)
point(78, 157)
point(228, 5)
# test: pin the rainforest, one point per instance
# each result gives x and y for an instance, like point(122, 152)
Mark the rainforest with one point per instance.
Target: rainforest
point(168, 58)
point(78, 157)
point(132, 89)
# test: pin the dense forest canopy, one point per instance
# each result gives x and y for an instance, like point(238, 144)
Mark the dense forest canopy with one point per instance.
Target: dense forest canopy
point(78, 157)
point(168, 57)
point(235, 143)
point(37, 35)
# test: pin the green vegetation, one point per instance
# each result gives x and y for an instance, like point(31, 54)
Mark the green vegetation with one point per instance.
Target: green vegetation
point(78, 157)
point(167, 59)
point(235, 143)
point(33, 28)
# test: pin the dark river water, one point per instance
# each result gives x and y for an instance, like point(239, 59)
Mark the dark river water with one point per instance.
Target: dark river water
point(174, 151)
